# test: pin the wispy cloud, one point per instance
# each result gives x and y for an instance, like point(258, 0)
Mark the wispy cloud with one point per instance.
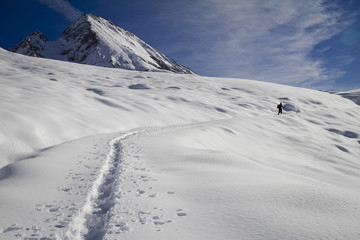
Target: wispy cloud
point(269, 40)
point(63, 7)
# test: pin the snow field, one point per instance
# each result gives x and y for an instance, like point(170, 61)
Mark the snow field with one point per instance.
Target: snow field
point(183, 157)
point(40, 195)
point(45, 95)
point(238, 189)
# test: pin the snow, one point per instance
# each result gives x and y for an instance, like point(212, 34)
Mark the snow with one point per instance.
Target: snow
point(97, 153)
point(353, 95)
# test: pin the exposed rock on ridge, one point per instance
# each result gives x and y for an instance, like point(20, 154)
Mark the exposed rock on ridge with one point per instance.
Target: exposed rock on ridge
point(32, 45)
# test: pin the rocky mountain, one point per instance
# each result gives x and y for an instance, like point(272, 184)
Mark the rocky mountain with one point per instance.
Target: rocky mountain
point(33, 45)
point(97, 41)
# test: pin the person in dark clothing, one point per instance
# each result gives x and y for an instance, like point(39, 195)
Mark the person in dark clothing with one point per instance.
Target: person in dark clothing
point(280, 106)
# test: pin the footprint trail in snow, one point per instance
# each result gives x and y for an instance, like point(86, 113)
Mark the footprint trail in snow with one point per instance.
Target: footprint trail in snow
point(91, 222)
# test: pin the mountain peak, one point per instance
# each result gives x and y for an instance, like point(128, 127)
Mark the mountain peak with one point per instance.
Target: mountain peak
point(94, 40)
point(32, 45)
point(38, 33)
point(89, 17)
point(85, 19)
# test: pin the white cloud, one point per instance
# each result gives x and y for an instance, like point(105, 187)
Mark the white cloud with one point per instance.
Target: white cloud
point(63, 7)
point(269, 40)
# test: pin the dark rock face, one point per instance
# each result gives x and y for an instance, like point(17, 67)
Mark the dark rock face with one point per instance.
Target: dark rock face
point(32, 45)
point(81, 36)
point(97, 41)
point(161, 64)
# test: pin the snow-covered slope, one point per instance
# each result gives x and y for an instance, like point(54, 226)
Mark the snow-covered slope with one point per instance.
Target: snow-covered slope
point(96, 41)
point(353, 95)
point(97, 153)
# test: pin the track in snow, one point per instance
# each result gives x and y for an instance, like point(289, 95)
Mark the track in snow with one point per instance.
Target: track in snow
point(91, 222)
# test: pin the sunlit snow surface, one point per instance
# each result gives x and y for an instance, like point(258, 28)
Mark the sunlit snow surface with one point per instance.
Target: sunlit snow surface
point(98, 153)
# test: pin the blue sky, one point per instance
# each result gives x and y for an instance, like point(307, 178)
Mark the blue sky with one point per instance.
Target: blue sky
point(307, 43)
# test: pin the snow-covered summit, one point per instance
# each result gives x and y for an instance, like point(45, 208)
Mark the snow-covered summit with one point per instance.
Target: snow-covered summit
point(97, 41)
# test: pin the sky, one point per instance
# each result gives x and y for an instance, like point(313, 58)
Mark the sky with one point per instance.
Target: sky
point(309, 43)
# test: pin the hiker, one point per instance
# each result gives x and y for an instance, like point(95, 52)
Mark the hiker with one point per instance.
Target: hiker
point(280, 106)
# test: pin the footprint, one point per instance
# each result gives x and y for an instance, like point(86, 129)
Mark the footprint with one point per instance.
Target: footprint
point(13, 227)
point(140, 191)
point(65, 189)
point(181, 214)
point(60, 226)
point(39, 207)
point(159, 223)
point(35, 228)
point(123, 226)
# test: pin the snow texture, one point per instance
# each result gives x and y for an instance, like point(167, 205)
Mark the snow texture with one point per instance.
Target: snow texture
point(96, 153)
